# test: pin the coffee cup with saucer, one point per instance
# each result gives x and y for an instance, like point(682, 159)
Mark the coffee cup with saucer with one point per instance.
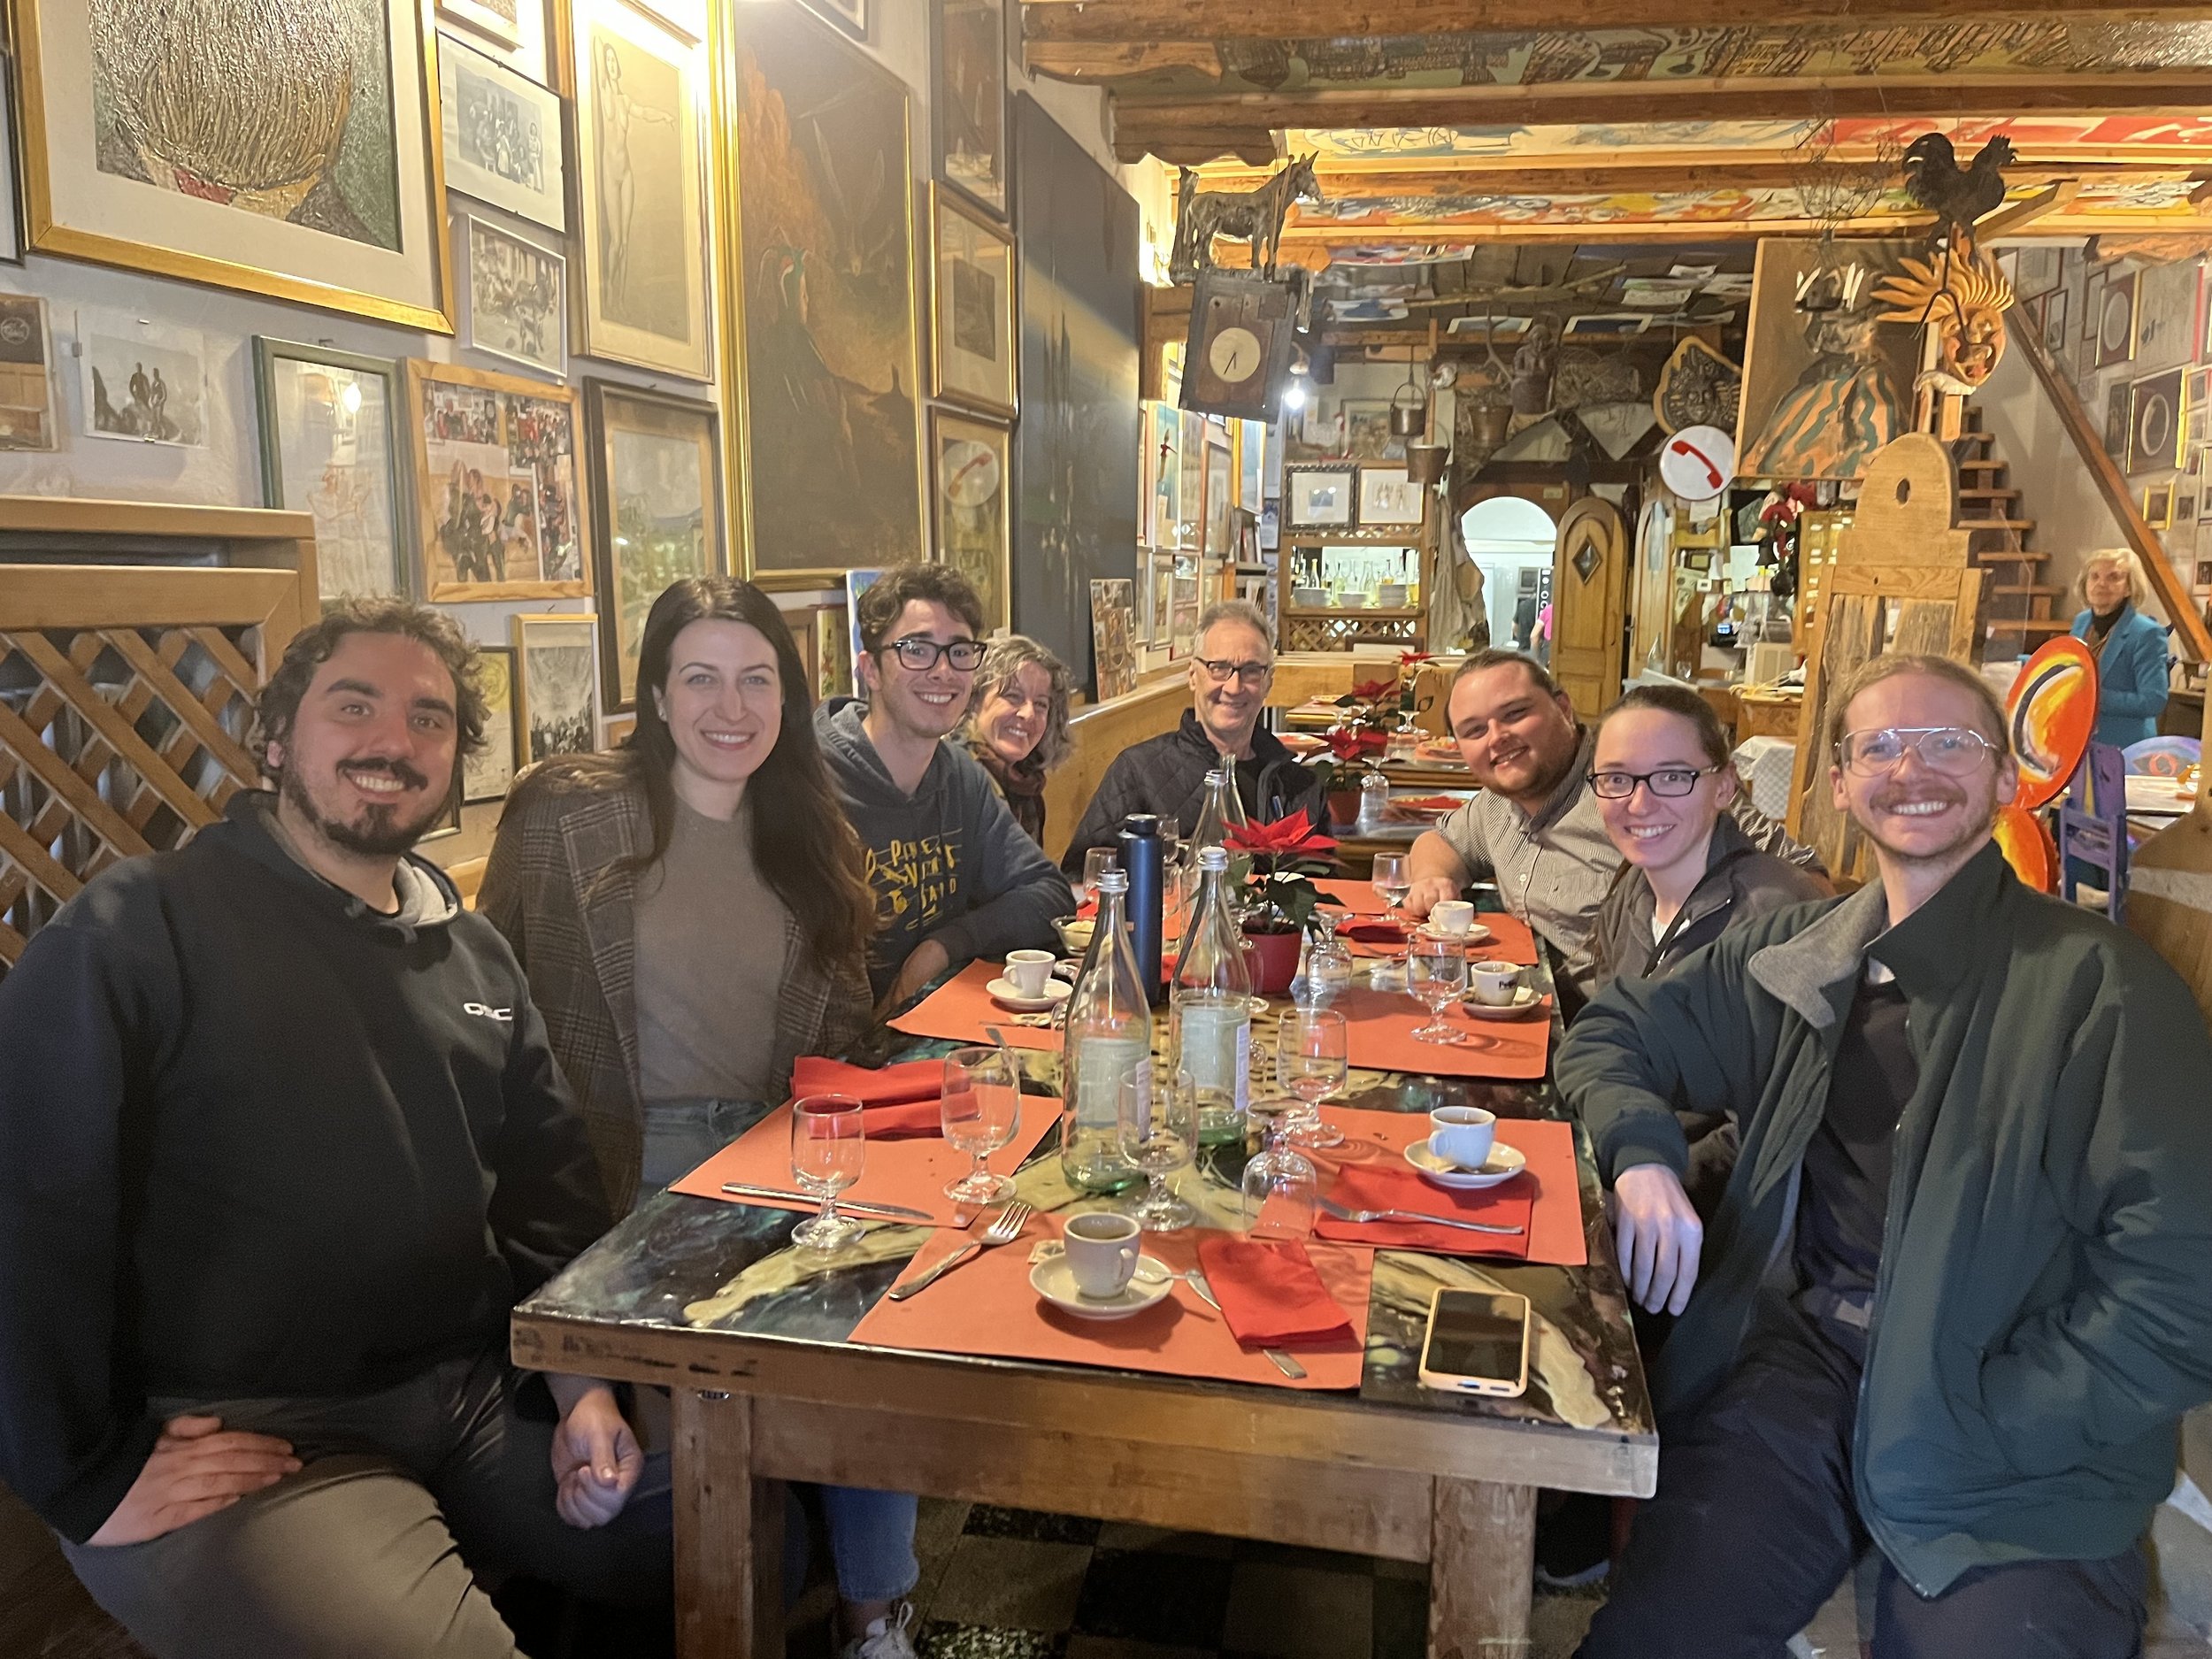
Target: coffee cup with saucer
point(1503, 1164)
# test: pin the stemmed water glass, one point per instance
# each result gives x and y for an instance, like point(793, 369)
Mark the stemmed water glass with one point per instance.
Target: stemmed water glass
point(829, 1147)
point(1312, 1056)
point(1390, 879)
point(1096, 862)
point(980, 1107)
point(1436, 972)
point(1159, 1135)
point(1281, 1188)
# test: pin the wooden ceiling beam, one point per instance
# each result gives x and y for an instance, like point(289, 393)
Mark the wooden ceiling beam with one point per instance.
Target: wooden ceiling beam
point(1721, 170)
point(1190, 128)
point(2015, 217)
point(1144, 21)
point(1304, 246)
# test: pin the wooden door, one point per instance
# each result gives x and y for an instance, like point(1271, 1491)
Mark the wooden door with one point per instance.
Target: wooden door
point(1591, 567)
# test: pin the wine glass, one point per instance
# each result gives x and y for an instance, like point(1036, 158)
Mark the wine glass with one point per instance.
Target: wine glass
point(1390, 879)
point(1328, 961)
point(1159, 1135)
point(1312, 1055)
point(828, 1146)
point(1281, 1189)
point(980, 1104)
point(1096, 862)
point(1436, 972)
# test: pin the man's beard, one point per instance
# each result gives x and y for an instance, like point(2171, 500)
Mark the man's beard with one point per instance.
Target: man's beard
point(1981, 823)
point(379, 833)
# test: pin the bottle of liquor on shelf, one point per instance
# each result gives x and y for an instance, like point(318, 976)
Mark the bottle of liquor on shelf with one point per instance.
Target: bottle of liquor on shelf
point(1108, 1032)
point(1211, 1012)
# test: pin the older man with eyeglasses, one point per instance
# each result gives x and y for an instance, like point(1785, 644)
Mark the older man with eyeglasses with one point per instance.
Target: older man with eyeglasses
point(1166, 775)
point(1952, 1302)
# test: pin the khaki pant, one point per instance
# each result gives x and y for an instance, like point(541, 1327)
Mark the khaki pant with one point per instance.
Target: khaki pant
point(379, 1548)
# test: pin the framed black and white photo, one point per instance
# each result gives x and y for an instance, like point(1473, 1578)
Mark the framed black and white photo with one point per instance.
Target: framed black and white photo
point(502, 137)
point(518, 298)
point(144, 382)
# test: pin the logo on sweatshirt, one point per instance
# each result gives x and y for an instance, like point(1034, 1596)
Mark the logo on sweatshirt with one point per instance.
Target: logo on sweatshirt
point(504, 1015)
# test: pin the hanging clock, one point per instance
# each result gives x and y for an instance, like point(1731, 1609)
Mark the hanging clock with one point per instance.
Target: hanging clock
point(1236, 356)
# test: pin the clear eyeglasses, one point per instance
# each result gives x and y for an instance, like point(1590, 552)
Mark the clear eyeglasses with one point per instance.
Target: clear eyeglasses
point(1953, 749)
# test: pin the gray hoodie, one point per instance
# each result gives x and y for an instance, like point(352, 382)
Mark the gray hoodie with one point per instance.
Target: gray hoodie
point(947, 862)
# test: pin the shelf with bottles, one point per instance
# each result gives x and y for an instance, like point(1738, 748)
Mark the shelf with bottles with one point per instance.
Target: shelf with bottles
point(1363, 579)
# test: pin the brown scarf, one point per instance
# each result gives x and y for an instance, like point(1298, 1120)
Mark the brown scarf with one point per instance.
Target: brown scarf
point(1023, 785)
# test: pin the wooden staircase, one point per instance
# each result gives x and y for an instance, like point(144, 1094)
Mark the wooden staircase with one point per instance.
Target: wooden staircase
point(2019, 613)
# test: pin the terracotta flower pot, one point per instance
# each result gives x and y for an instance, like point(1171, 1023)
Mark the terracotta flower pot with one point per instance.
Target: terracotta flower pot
point(1343, 806)
point(1273, 960)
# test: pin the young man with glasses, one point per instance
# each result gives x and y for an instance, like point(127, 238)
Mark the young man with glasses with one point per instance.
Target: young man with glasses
point(954, 877)
point(1952, 1303)
point(1166, 775)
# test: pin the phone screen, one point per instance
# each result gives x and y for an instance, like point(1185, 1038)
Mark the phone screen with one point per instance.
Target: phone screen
point(1474, 1334)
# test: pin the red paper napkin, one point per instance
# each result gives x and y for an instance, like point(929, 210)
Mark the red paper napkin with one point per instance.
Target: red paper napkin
point(891, 1085)
point(1269, 1295)
point(1375, 932)
point(1380, 1187)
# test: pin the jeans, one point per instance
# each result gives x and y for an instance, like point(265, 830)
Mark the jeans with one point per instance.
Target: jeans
point(1755, 1526)
point(409, 1501)
point(872, 1534)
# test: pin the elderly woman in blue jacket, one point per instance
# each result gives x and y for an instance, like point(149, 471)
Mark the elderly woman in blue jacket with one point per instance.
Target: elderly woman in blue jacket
point(2129, 648)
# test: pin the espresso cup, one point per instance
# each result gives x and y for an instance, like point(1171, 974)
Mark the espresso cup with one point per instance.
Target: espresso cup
point(1455, 918)
point(1102, 1251)
point(1029, 970)
point(1495, 983)
point(1462, 1135)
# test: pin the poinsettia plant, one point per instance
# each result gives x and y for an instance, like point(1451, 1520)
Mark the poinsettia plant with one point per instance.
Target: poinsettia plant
point(1274, 864)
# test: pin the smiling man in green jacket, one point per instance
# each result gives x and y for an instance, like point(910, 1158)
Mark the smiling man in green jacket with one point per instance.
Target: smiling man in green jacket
point(1953, 1301)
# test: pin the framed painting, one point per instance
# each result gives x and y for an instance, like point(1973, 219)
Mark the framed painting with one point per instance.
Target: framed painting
point(555, 681)
point(1163, 452)
point(1388, 498)
point(502, 137)
point(832, 656)
point(970, 307)
point(1367, 435)
point(656, 494)
point(499, 503)
point(1075, 465)
point(1190, 500)
point(330, 446)
point(1320, 497)
point(967, 103)
point(851, 16)
point(1220, 498)
point(292, 151)
point(2114, 321)
point(144, 382)
point(967, 465)
point(640, 191)
point(2158, 506)
point(1251, 464)
point(518, 299)
point(821, 266)
point(27, 374)
point(1114, 637)
point(485, 775)
point(499, 21)
point(2157, 433)
point(2052, 316)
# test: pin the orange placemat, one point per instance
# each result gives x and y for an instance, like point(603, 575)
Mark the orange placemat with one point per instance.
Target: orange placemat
point(1381, 1038)
point(986, 1306)
point(1510, 937)
point(958, 1010)
point(1374, 1147)
point(912, 1172)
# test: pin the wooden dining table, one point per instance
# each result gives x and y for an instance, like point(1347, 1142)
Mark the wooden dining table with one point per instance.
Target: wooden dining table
point(753, 1339)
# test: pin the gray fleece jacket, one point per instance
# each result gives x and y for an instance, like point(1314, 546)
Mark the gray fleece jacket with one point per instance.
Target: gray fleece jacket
point(947, 862)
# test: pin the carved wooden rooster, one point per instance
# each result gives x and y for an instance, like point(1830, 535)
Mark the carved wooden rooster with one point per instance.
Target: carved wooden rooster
point(1956, 196)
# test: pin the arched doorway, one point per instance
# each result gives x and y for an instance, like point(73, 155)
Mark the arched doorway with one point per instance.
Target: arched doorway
point(1510, 540)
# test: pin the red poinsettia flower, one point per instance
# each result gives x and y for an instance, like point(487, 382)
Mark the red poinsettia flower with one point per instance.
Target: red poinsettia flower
point(1285, 837)
point(1368, 690)
point(1353, 745)
point(1409, 658)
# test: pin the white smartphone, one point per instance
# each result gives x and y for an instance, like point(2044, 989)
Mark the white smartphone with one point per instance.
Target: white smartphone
point(1476, 1343)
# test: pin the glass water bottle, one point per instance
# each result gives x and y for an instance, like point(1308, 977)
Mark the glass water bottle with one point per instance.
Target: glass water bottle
point(1211, 1007)
point(1108, 1032)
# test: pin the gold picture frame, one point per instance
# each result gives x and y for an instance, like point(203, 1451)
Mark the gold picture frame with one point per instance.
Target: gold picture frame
point(499, 485)
point(637, 82)
point(2158, 506)
point(808, 531)
point(557, 683)
point(970, 306)
point(149, 202)
point(973, 526)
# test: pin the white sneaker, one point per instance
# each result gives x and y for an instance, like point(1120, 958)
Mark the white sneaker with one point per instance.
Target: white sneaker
point(887, 1637)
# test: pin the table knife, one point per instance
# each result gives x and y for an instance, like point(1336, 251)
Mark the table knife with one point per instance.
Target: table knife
point(1282, 1362)
point(859, 1207)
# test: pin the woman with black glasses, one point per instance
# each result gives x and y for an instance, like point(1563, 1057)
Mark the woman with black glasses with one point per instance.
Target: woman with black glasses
point(1664, 784)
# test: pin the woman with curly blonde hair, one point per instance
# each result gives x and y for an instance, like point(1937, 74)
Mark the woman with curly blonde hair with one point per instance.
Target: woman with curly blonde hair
point(1019, 728)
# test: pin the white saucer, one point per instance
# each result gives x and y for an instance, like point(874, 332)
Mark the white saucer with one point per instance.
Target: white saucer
point(1505, 1162)
point(1524, 1000)
point(1008, 994)
point(1055, 1280)
point(1476, 936)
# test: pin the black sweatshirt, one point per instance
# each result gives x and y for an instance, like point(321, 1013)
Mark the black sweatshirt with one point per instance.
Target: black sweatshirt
point(257, 1141)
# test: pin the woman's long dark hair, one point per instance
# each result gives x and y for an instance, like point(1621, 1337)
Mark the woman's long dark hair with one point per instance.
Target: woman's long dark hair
point(803, 848)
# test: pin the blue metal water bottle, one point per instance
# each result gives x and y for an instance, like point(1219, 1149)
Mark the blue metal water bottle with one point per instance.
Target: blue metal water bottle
point(1141, 857)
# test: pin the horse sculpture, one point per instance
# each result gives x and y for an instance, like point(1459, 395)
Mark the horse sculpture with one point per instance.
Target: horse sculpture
point(1249, 216)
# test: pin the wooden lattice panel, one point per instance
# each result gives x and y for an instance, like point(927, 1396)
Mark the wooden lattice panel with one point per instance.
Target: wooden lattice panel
point(120, 735)
point(1341, 630)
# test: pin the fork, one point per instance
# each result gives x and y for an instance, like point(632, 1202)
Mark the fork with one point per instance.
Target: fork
point(1003, 1228)
point(1343, 1213)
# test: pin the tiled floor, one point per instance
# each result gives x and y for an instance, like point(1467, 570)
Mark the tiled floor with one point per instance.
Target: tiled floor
point(1007, 1584)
